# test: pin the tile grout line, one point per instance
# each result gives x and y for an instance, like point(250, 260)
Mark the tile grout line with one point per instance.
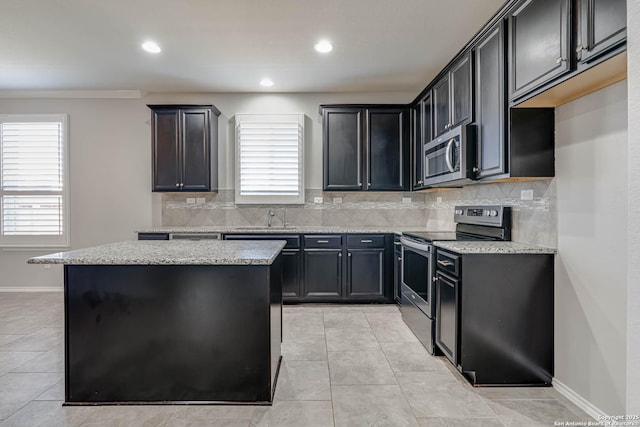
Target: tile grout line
point(326, 347)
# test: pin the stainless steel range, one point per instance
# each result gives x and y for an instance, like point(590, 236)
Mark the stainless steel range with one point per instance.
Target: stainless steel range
point(418, 264)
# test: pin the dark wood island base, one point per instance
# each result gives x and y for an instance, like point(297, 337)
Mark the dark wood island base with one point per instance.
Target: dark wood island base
point(172, 334)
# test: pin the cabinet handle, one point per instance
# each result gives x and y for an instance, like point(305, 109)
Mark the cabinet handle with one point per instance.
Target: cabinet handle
point(560, 60)
point(434, 279)
point(475, 169)
point(420, 182)
point(397, 243)
point(323, 241)
point(445, 263)
point(366, 241)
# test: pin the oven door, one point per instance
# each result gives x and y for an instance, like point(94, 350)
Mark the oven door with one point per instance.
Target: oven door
point(417, 270)
point(448, 159)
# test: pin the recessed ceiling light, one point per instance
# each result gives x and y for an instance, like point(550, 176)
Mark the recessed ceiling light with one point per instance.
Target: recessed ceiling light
point(151, 47)
point(266, 82)
point(323, 46)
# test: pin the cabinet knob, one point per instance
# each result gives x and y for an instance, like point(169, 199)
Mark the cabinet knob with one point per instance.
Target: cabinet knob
point(340, 255)
point(349, 254)
point(579, 48)
point(475, 169)
point(560, 60)
point(177, 184)
point(420, 182)
point(181, 185)
point(368, 184)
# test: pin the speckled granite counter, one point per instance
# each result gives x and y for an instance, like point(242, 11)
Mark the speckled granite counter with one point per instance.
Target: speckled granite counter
point(279, 230)
point(476, 247)
point(175, 252)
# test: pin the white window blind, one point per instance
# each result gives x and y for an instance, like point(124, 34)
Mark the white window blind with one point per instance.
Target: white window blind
point(269, 153)
point(33, 180)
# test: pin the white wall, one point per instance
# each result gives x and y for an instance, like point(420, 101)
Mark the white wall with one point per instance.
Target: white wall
point(633, 255)
point(591, 265)
point(110, 163)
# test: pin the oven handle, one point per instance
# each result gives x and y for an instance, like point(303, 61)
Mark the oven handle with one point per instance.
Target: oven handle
point(448, 154)
point(423, 247)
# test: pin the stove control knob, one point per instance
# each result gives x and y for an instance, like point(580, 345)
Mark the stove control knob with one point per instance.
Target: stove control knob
point(458, 212)
point(493, 213)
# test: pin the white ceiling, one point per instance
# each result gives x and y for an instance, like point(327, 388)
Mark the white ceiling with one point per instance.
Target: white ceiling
point(229, 45)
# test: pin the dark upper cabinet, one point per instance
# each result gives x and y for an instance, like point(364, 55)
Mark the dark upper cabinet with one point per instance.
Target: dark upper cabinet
point(184, 147)
point(602, 27)
point(342, 145)
point(365, 149)
point(452, 97)
point(416, 147)
point(539, 44)
point(490, 102)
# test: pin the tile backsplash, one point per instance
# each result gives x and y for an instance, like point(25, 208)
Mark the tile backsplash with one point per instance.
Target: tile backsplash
point(534, 221)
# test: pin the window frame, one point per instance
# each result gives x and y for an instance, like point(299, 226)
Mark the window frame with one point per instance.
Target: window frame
point(268, 199)
point(40, 241)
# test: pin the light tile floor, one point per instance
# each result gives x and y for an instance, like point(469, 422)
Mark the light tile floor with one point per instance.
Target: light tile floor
point(343, 366)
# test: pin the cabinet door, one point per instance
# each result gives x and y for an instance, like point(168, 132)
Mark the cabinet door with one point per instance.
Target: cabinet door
point(447, 316)
point(461, 97)
point(427, 118)
point(196, 160)
point(342, 149)
point(323, 274)
point(538, 44)
point(603, 26)
point(441, 113)
point(490, 103)
point(365, 273)
point(386, 149)
point(291, 274)
point(166, 150)
point(416, 146)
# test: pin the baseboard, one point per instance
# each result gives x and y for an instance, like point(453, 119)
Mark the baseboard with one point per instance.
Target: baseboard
point(32, 289)
point(578, 400)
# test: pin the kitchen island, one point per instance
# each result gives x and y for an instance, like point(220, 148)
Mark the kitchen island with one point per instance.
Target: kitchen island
point(172, 321)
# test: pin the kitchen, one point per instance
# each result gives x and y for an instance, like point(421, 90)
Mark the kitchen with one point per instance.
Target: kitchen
point(116, 131)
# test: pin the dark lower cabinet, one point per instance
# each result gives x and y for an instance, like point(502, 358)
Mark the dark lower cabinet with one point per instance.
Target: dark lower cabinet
point(291, 274)
point(322, 274)
point(539, 44)
point(494, 316)
point(447, 316)
point(365, 273)
point(602, 27)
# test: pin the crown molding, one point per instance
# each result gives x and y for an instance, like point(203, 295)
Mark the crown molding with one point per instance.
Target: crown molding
point(72, 94)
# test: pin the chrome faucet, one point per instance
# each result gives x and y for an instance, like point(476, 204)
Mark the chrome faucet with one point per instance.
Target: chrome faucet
point(270, 216)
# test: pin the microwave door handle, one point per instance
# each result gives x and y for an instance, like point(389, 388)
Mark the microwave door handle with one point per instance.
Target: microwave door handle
point(448, 155)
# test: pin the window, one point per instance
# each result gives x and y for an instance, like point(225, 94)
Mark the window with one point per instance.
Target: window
point(269, 158)
point(33, 181)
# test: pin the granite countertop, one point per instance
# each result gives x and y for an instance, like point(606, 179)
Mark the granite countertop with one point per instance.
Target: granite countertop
point(278, 230)
point(174, 252)
point(485, 247)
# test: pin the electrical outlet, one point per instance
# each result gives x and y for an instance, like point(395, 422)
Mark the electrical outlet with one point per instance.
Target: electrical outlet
point(191, 200)
point(406, 200)
point(317, 200)
point(201, 200)
point(337, 200)
point(526, 195)
point(438, 199)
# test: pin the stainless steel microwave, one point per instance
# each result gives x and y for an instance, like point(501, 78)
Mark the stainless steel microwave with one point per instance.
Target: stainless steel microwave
point(449, 160)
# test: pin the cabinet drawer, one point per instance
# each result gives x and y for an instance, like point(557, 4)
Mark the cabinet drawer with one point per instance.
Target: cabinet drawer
point(365, 241)
point(293, 241)
point(323, 242)
point(153, 236)
point(448, 262)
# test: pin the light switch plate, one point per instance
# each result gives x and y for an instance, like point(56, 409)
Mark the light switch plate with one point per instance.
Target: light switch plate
point(200, 200)
point(526, 195)
point(337, 200)
point(406, 200)
point(191, 200)
point(317, 200)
